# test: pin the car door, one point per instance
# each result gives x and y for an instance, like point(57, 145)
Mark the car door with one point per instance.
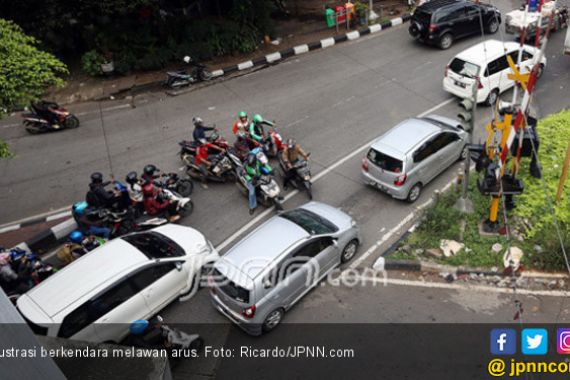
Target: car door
point(323, 253)
point(160, 283)
point(423, 170)
point(456, 21)
point(450, 149)
point(117, 307)
point(472, 23)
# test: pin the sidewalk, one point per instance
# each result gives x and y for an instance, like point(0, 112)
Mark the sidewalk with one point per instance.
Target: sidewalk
point(292, 32)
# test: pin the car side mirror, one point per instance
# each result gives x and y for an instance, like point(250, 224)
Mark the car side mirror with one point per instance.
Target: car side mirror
point(178, 266)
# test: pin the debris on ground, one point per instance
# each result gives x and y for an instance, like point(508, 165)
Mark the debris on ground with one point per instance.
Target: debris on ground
point(450, 247)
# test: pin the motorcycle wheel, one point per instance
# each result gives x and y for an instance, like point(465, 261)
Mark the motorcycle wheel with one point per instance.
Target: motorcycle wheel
point(229, 177)
point(308, 187)
point(185, 187)
point(32, 130)
point(266, 202)
point(71, 122)
point(186, 209)
point(278, 204)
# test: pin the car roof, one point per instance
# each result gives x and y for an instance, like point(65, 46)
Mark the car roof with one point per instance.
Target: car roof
point(85, 276)
point(264, 245)
point(486, 51)
point(404, 137)
point(434, 5)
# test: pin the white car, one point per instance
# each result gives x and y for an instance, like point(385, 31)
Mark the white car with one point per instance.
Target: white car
point(486, 64)
point(96, 297)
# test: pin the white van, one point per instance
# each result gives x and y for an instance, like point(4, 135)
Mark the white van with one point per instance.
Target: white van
point(96, 297)
point(486, 64)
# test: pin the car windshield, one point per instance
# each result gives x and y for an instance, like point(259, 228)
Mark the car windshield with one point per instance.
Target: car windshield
point(309, 221)
point(385, 162)
point(154, 245)
point(466, 69)
point(230, 288)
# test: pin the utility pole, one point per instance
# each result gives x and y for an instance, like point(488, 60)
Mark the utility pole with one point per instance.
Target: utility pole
point(464, 204)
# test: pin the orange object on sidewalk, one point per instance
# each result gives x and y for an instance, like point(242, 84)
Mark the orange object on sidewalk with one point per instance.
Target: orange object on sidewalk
point(349, 9)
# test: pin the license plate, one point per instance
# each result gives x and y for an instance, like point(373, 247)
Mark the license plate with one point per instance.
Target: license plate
point(459, 84)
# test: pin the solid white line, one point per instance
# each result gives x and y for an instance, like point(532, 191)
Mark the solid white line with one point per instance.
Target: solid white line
point(255, 220)
point(482, 288)
point(11, 125)
point(58, 216)
point(114, 108)
point(436, 107)
point(9, 228)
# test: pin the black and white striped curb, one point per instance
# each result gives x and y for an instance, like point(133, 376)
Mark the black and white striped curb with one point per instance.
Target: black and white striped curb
point(301, 49)
point(48, 217)
point(48, 239)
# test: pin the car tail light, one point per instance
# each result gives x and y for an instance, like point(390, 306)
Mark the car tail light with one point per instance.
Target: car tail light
point(249, 312)
point(365, 164)
point(446, 70)
point(400, 180)
point(479, 83)
point(432, 28)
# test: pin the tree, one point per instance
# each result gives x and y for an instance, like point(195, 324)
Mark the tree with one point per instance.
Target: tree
point(25, 71)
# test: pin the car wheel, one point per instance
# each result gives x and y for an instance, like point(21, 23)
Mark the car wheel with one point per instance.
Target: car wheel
point(349, 251)
point(464, 153)
point(446, 41)
point(493, 26)
point(492, 98)
point(414, 193)
point(272, 320)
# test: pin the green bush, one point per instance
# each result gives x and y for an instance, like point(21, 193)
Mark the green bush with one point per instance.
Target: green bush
point(5, 151)
point(91, 63)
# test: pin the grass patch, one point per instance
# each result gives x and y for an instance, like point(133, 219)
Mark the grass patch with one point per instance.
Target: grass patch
point(531, 220)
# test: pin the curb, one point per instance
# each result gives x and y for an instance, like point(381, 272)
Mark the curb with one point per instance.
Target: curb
point(276, 57)
point(45, 240)
point(42, 218)
point(426, 266)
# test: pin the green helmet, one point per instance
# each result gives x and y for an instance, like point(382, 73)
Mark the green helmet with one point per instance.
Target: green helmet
point(242, 114)
point(257, 118)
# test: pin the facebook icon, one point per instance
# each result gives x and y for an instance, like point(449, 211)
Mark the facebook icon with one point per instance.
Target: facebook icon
point(503, 342)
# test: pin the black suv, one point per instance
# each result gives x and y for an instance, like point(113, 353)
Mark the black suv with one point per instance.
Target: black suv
point(440, 22)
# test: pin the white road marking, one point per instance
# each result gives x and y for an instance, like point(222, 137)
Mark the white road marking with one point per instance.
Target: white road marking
point(320, 175)
point(120, 106)
point(296, 122)
point(58, 216)
point(457, 286)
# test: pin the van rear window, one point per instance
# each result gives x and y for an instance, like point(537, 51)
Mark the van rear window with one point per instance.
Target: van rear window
point(459, 66)
point(230, 288)
point(384, 161)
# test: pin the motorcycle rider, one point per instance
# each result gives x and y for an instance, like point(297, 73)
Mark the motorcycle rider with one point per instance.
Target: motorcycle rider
point(152, 205)
point(98, 196)
point(253, 170)
point(200, 129)
point(148, 175)
point(290, 157)
point(256, 131)
point(46, 111)
point(242, 145)
point(203, 159)
point(147, 335)
point(241, 124)
point(89, 220)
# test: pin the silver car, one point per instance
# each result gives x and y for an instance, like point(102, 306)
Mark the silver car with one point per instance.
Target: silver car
point(266, 273)
point(407, 157)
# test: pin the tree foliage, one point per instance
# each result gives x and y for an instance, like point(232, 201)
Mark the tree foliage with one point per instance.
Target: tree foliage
point(25, 71)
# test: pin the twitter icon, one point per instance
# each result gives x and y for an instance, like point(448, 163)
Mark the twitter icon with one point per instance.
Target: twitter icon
point(534, 341)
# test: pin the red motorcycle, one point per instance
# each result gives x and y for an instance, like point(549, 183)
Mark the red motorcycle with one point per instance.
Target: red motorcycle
point(48, 117)
point(188, 148)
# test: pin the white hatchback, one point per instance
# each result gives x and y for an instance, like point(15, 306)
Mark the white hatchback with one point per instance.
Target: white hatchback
point(486, 64)
point(96, 297)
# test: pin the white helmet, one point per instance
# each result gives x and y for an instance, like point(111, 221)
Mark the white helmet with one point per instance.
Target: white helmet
point(187, 59)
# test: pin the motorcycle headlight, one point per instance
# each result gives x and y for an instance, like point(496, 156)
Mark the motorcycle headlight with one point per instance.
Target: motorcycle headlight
point(307, 178)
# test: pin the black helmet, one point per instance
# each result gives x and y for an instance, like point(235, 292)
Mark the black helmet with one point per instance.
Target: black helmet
point(198, 122)
point(251, 159)
point(97, 177)
point(149, 169)
point(131, 178)
point(291, 143)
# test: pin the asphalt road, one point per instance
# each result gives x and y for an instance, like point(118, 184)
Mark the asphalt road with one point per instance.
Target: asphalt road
point(334, 102)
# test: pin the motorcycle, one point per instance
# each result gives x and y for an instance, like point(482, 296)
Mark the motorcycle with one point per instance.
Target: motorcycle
point(274, 143)
point(221, 170)
point(302, 178)
point(188, 148)
point(181, 78)
point(184, 205)
point(48, 117)
point(266, 188)
point(125, 222)
point(173, 182)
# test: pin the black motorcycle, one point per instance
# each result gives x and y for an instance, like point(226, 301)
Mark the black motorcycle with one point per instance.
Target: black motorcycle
point(181, 78)
point(302, 175)
point(48, 117)
point(174, 182)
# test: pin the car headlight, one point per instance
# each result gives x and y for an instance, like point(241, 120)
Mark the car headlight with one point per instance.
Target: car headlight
point(206, 249)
